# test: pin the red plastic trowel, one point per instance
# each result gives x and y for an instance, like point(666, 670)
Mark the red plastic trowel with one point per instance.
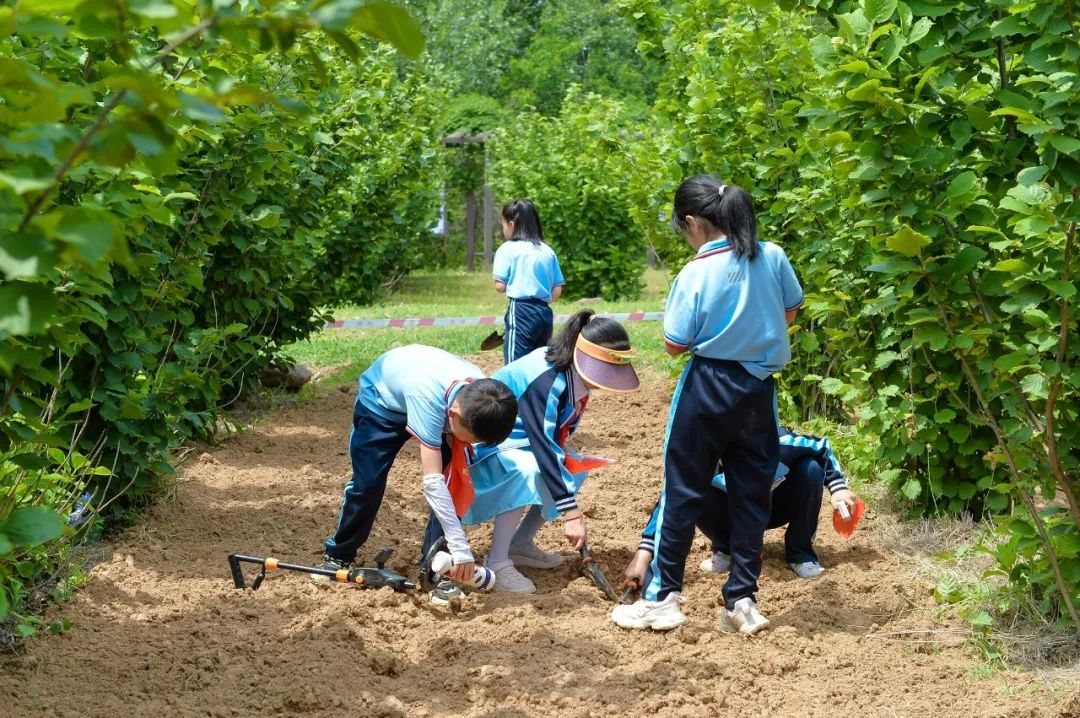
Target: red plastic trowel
point(844, 520)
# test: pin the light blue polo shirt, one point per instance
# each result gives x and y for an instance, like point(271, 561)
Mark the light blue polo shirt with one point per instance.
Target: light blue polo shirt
point(416, 384)
point(724, 307)
point(529, 269)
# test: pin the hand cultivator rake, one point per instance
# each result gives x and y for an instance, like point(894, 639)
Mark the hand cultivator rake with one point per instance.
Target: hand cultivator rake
point(378, 576)
point(362, 576)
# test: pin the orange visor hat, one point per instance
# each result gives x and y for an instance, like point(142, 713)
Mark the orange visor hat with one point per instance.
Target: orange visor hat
point(605, 368)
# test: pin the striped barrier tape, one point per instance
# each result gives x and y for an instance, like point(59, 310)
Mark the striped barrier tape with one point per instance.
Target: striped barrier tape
point(412, 322)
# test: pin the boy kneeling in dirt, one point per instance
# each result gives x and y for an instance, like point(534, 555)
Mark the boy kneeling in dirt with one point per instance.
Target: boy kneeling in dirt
point(446, 404)
point(807, 465)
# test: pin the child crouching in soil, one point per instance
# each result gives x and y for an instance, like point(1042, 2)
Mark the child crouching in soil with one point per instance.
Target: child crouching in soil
point(807, 467)
point(531, 478)
point(446, 404)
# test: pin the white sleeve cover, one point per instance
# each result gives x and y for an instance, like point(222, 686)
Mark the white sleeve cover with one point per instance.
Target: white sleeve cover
point(438, 497)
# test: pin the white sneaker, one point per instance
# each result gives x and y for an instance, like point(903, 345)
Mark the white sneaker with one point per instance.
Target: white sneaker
point(531, 555)
point(657, 615)
point(743, 618)
point(807, 569)
point(717, 563)
point(510, 580)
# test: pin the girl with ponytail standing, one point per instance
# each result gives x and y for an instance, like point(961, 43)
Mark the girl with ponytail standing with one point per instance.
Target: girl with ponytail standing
point(527, 271)
point(730, 307)
point(524, 482)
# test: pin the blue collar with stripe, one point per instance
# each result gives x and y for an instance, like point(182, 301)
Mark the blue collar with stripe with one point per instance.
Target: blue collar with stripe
point(713, 245)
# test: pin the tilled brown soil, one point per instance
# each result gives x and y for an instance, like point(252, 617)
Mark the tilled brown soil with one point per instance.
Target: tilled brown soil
point(159, 629)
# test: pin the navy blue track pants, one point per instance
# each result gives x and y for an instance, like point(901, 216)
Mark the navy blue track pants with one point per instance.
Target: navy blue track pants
point(720, 413)
point(528, 327)
point(796, 503)
point(373, 445)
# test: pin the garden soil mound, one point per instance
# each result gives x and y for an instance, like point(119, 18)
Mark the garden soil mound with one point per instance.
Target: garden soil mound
point(159, 629)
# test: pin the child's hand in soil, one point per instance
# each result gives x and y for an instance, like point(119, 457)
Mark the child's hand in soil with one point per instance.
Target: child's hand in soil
point(635, 570)
point(574, 529)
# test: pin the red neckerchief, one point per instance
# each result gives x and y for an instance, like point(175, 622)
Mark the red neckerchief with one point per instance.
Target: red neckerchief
point(458, 480)
point(457, 476)
point(578, 464)
point(564, 430)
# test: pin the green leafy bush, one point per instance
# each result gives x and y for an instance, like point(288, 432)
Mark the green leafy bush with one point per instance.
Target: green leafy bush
point(378, 171)
point(579, 42)
point(921, 172)
point(167, 175)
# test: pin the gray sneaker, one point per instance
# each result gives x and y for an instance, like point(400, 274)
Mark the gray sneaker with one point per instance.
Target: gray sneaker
point(509, 580)
point(330, 564)
point(446, 593)
point(717, 563)
point(531, 555)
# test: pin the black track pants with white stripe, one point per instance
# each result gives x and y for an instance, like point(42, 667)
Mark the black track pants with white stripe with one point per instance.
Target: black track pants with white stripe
point(720, 413)
point(528, 327)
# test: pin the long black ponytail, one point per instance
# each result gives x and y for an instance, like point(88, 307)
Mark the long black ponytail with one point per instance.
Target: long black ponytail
point(525, 218)
point(598, 330)
point(728, 208)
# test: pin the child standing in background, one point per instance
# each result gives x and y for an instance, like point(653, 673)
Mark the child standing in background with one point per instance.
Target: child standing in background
point(527, 271)
point(730, 306)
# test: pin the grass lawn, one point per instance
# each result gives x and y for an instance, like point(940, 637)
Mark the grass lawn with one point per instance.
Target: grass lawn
point(453, 294)
point(464, 294)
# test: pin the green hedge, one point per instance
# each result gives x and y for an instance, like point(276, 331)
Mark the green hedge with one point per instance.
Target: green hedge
point(180, 193)
point(921, 173)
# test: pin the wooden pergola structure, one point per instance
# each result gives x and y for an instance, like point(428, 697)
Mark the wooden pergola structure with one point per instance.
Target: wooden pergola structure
point(461, 139)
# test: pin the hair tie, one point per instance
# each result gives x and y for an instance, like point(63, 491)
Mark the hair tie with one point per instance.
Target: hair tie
point(721, 190)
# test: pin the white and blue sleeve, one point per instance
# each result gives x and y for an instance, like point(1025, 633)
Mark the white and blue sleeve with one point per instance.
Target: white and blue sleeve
point(500, 266)
point(425, 419)
point(789, 284)
point(680, 315)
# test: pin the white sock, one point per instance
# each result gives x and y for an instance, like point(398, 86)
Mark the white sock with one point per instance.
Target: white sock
point(530, 525)
point(505, 524)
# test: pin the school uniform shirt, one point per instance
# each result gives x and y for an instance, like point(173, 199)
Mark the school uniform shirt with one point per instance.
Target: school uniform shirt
point(793, 448)
point(725, 307)
point(416, 385)
point(504, 476)
point(530, 270)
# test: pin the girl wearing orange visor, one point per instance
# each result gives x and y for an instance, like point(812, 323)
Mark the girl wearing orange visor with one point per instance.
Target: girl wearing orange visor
point(533, 477)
